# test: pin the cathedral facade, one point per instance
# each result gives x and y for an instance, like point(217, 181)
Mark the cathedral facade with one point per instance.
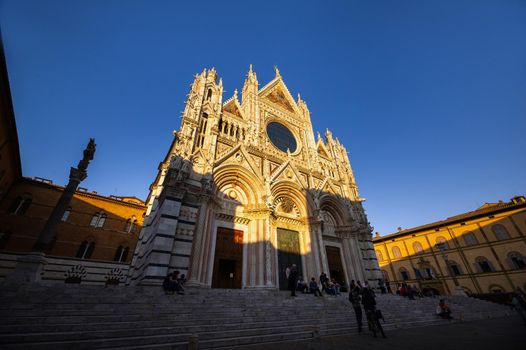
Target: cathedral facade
point(246, 189)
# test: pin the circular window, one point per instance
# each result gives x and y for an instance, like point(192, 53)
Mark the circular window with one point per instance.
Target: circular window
point(281, 137)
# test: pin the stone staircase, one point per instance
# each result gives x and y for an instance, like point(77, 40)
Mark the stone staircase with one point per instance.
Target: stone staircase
point(87, 317)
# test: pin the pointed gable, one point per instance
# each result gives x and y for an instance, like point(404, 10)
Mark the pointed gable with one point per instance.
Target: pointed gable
point(278, 97)
point(277, 93)
point(322, 150)
point(233, 107)
point(239, 156)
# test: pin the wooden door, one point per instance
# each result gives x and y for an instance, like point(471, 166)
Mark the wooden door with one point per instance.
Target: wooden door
point(228, 260)
point(334, 261)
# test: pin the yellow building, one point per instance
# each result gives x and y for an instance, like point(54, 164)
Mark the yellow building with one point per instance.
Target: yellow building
point(481, 251)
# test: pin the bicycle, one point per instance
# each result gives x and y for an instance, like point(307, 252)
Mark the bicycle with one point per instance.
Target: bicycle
point(373, 322)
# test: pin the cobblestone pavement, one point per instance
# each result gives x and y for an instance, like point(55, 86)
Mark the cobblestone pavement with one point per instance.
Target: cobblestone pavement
point(497, 334)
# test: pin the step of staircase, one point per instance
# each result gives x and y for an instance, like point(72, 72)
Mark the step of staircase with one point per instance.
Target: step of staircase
point(88, 317)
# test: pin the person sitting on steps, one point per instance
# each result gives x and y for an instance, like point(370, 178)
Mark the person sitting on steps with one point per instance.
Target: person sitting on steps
point(443, 310)
point(302, 286)
point(313, 287)
point(172, 283)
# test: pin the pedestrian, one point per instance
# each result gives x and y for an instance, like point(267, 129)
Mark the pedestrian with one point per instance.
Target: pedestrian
point(369, 306)
point(381, 285)
point(293, 280)
point(519, 304)
point(323, 281)
point(355, 298)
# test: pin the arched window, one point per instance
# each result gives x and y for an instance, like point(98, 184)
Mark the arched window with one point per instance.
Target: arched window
point(500, 232)
point(516, 261)
point(121, 254)
point(404, 274)
point(442, 241)
point(469, 238)
point(131, 225)
point(201, 131)
point(379, 255)
point(86, 249)
point(495, 288)
point(396, 252)
point(455, 268)
point(417, 247)
point(209, 94)
point(98, 220)
point(65, 216)
point(20, 204)
point(482, 264)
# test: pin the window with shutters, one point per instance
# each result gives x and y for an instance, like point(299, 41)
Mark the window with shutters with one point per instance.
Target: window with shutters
point(469, 238)
point(396, 252)
point(501, 233)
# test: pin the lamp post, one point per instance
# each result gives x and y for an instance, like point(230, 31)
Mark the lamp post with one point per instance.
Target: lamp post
point(441, 246)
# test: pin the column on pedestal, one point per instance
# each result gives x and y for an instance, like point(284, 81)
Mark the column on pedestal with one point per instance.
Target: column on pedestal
point(198, 249)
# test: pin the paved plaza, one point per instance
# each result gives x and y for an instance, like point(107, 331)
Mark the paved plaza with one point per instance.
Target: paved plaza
point(507, 333)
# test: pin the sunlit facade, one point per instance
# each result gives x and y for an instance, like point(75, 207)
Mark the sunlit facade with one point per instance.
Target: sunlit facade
point(94, 227)
point(246, 189)
point(482, 251)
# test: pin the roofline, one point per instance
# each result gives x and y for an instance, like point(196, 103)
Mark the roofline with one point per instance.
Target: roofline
point(453, 220)
point(84, 194)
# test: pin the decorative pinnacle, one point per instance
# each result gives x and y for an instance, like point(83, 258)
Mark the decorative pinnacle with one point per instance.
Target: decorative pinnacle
point(235, 94)
point(277, 71)
point(250, 68)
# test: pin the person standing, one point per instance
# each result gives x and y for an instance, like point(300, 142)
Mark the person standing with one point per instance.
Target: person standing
point(293, 280)
point(519, 304)
point(355, 298)
point(323, 281)
point(369, 306)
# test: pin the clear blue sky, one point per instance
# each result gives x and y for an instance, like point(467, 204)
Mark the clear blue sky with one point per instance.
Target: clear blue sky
point(428, 96)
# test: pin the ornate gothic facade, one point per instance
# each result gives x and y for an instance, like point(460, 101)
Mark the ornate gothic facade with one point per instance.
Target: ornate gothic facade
point(247, 189)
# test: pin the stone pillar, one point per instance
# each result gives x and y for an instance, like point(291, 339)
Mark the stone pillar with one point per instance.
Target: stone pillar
point(315, 251)
point(323, 253)
point(269, 253)
point(358, 267)
point(196, 259)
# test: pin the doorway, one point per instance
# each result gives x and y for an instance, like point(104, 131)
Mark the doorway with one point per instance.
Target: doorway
point(335, 264)
point(288, 254)
point(228, 259)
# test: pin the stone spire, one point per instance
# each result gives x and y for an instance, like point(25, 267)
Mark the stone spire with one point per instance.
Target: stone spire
point(249, 94)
